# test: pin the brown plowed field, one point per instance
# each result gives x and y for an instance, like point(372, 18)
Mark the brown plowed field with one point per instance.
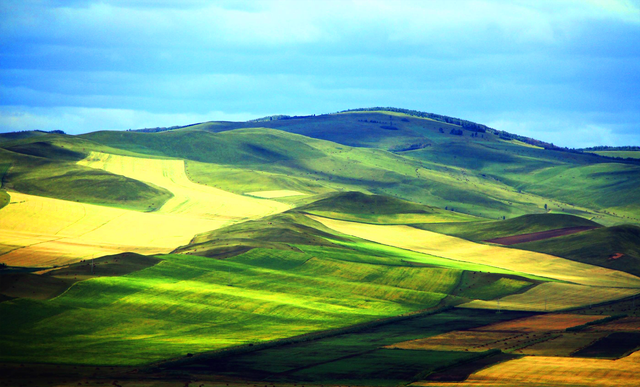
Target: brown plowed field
point(538, 236)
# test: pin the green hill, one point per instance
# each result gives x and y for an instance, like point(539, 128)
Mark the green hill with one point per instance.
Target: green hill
point(356, 206)
point(526, 224)
point(249, 160)
point(45, 169)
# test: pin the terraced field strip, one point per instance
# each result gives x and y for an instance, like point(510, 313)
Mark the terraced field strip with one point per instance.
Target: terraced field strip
point(190, 199)
point(563, 344)
point(38, 232)
point(556, 371)
point(275, 194)
point(545, 322)
point(507, 336)
point(554, 296)
point(445, 246)
point(538, 236)
point(627, 324)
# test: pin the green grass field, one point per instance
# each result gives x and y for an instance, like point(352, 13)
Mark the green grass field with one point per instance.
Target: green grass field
point(493, 181)
point(63, 179)
point(526, 224)
point(194, 304)
point(620, 154)
point(289, 274)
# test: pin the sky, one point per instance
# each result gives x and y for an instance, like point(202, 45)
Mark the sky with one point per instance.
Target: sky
point(563, 71)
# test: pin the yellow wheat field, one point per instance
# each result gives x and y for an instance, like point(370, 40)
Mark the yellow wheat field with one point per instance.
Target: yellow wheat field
point(432, 243)
point(553, 296)
point(556, 371)
point(40, 232)
point(190, 199)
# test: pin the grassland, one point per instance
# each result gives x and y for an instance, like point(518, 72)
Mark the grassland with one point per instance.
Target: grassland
point(45, 165)
point(258, 270)
point(275, 194)
point(359, 207)
point(258, 159)
point(484, 230)
point(619, 154)
point(136, 318)
point(293, 231)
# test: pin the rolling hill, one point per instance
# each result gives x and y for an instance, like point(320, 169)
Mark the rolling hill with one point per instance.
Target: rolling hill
point(294, 248)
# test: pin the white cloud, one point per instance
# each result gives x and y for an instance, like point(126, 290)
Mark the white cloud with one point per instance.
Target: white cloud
point(76, 120)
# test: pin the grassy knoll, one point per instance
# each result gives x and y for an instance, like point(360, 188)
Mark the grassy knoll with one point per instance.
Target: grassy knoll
point(479, 231)
point(615, 247)
point(293, 231)
point(356, 206)
point(68, 181)
point(134, 319)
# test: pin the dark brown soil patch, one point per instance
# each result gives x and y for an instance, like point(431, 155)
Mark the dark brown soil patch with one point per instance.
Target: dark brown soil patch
point(538, 236)
point(613, 346)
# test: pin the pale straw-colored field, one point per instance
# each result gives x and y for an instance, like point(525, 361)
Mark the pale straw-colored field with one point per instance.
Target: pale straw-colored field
point(555, 371)
point(39, 232)
point(553, 296)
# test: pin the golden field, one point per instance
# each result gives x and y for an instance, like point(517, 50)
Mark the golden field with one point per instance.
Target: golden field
point(546, 371)
point(38, 232)
point(554, 296)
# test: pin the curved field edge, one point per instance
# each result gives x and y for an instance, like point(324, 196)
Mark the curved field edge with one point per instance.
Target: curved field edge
point(542, 265)
point(189, 198)
point(64, 179)
point(60, 232)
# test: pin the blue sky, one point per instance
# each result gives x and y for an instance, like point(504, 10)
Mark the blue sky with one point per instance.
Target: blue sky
point(564, 71)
